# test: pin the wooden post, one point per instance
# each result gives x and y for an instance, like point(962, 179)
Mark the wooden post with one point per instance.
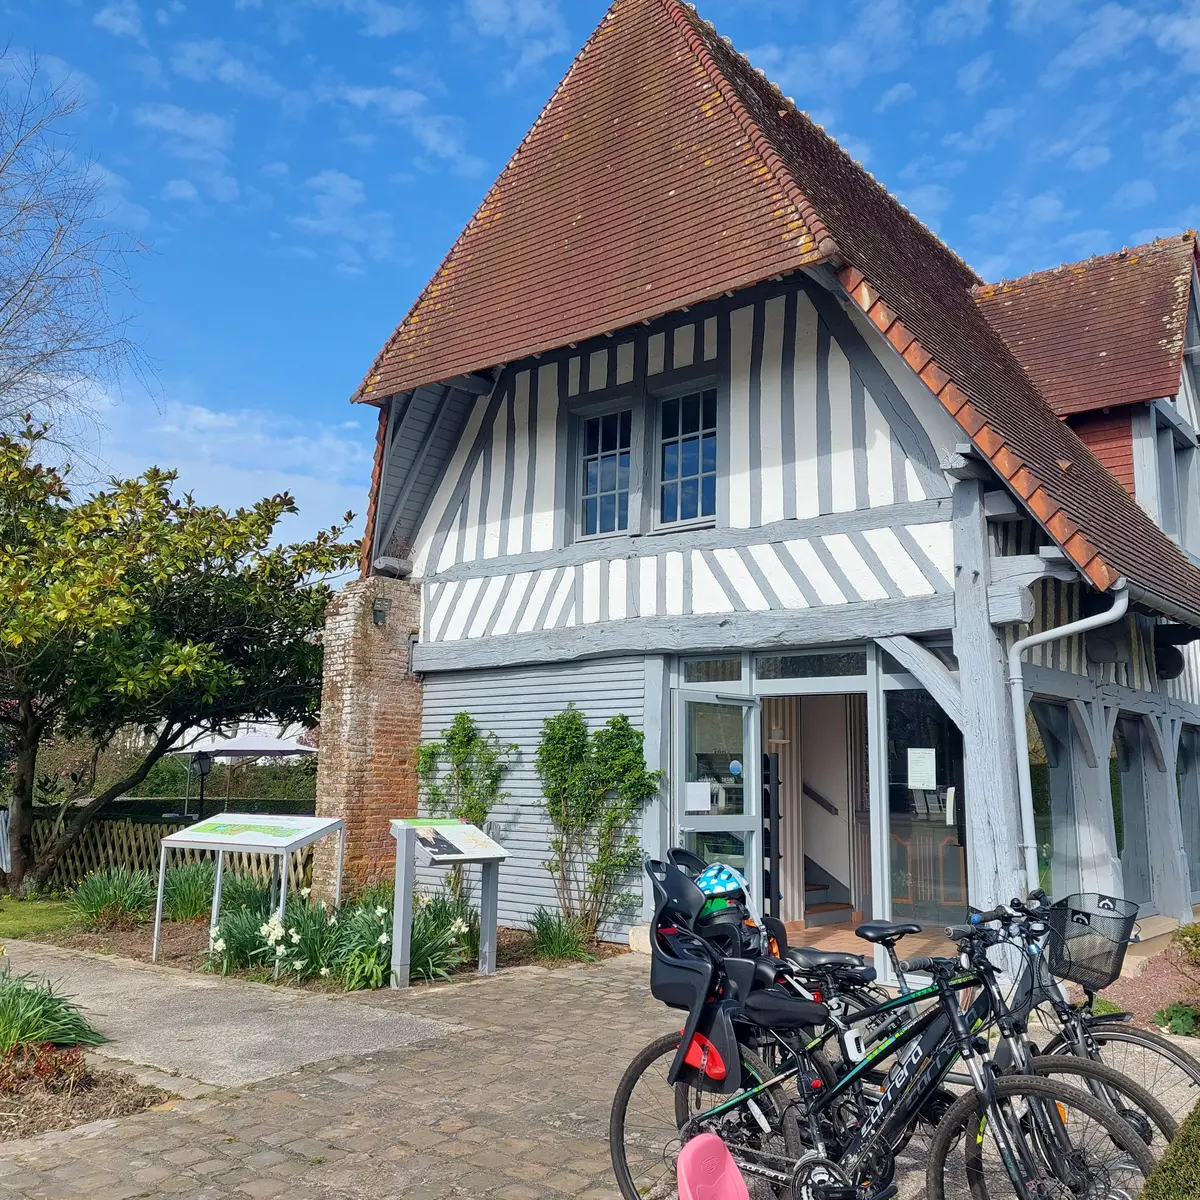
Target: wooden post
point(993, 817)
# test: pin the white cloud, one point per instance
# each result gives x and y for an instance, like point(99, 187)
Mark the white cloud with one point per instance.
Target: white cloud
point(1180, 34)
point(198, 138)
point(118, 208)
point(122, 18)
point(1032, 230)
point(898, 93)
point(1088, 158)
point(439, 136)
point(1137, 193)
point(378, 19)
point(993, 125)
point(928, 201)
point(1107, 35)
point(879, 40)
point(1179, 143)
point(957, 19)
point(239, 456)
point(339, 212)
point(1025, 15)
point(207, 60)
point(534, 29)
point(974, 76)
point(179, 189)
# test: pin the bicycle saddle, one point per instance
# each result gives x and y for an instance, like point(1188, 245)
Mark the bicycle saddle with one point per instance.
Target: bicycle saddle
point(885, 933)
point(809, 958)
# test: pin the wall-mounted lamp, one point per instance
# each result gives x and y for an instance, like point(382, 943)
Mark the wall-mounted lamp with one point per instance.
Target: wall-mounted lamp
point(778, 738)
point(379, 610)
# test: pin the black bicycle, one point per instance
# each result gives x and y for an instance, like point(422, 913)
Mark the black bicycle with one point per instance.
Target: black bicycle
point(814, 1135)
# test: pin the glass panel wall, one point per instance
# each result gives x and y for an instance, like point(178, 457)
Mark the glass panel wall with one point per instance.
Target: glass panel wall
point(1188, 780)
point(715, 756)
point(833, 663)
point(713, 670)
point(1127, 767)
point(926, 810)
point(1048, 727)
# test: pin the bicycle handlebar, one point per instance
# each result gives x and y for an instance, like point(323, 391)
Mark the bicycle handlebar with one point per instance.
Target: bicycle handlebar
point(908, 965)
point(999, 913)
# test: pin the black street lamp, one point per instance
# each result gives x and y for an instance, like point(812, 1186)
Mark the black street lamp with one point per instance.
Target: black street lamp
point(201, 764)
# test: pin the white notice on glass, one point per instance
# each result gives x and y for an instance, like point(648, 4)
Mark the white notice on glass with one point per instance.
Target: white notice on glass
point(922, 768)
point(697, 797)
point(951, 818)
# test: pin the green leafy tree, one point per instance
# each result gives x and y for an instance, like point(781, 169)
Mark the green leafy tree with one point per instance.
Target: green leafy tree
point(135, 608)
point(461, 774)
point(595, 786)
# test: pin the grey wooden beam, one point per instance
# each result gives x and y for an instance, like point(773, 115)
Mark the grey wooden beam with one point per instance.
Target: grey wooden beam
point(694, 634)
point(1155, 740)
point(1029, 568)
point(431, 430)
point(1083, 719)
point(999, 505)
point(994, 850)
point(1010, 603)
point(895, 516)
point(959, 466)
point(476, 383)
point(933, 674)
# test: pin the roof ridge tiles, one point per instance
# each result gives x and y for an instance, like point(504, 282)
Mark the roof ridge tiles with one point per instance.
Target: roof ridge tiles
point(1093, 260)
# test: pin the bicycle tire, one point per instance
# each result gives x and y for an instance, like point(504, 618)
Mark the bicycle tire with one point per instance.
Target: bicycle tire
point(966, 1115)
point(1119, 1032)
point(1088, 1069)
point(661, 1048)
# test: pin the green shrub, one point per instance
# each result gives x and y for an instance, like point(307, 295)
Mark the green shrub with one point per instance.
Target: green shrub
point(1103, 1007)
point(557, 938)
point(238, 941)
point(114, 898)
point(1186, 939)
point(1177, 1176)
point(1179, 1017)
point(452, 909)
point(33, 1013)
point(365, 949)
point(188, 891)
point(245, 891)
point(311, 941)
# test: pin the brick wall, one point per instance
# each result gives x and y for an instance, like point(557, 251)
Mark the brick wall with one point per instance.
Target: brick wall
point(370, 727)
point(1109, 436)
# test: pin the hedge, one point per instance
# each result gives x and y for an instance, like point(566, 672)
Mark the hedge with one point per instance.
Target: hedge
point(1177, 1176)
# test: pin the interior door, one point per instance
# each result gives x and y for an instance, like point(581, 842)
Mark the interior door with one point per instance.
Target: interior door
point(718, 793)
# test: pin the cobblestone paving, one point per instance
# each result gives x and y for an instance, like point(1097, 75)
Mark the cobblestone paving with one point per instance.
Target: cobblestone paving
point(513, 1107)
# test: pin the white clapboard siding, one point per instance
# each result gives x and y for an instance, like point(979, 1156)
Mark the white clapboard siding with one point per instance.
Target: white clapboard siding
point(837, 568)
point(815, 426)
point(512, 704)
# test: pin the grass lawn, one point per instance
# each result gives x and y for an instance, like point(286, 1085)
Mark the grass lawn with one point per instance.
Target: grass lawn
point(28, 918)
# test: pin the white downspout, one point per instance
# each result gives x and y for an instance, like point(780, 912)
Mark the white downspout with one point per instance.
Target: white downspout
point(1016, 683)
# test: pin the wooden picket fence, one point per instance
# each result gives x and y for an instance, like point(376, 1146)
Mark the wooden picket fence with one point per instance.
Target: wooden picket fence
point(135, 845)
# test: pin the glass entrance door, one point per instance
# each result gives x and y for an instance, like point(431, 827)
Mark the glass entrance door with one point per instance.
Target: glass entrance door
point(926, 813)
point(717, 793)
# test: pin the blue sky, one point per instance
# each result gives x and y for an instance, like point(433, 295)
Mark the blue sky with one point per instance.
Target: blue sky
point(297, 168)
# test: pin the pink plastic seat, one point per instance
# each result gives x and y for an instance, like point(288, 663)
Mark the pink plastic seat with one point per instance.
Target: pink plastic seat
point(706, 1171)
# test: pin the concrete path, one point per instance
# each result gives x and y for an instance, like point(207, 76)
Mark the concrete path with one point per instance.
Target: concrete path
point(216, 1031)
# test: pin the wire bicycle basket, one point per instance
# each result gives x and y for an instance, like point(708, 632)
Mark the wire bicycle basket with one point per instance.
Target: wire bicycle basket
point(1088, 936)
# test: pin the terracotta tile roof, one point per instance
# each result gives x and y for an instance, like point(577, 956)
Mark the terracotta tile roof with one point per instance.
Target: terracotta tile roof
point(666, 169)
point(1100, 333)
point(642, 187)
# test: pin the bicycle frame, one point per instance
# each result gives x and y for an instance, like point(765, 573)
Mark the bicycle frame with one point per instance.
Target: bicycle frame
point(935, 1044)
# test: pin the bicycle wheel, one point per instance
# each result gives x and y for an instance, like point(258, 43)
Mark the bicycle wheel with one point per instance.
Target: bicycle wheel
point(1145, 1115)
point(1063, 1145)
point(647, 1117)
point(1153, 1062)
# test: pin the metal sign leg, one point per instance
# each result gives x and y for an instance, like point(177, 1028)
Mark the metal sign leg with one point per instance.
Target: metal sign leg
point(284, 865)
point(489, 914)
point(402, 907)
point(216, 904)
point(337, 887)
point(158, 905)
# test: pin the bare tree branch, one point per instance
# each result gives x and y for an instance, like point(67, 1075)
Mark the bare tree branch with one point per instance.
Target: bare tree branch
point(65, 283)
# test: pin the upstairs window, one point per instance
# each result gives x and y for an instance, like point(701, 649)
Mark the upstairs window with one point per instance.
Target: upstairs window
point(688, 458)
point(606, 455)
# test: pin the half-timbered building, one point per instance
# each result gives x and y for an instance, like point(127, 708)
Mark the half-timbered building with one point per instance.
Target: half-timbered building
point(696, 423)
